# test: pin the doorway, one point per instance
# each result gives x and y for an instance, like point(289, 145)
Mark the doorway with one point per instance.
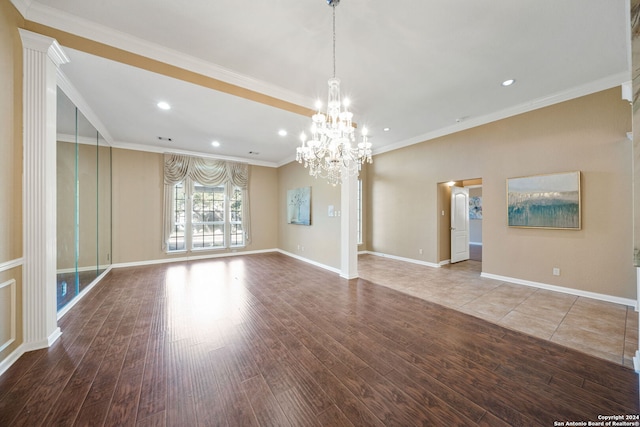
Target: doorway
point(451, 250)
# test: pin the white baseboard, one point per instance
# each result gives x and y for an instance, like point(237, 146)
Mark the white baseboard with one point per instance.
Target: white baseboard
point(64, 310)
point(308, 261)
point(602, 297)
point(27, 347)
point(413, 261)
point(476, 243)
point(83, 269)
point(54, 337)
point(11, 358)
point(593, 295)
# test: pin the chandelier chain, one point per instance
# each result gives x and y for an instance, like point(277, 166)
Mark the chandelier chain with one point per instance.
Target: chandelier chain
point(333, 6)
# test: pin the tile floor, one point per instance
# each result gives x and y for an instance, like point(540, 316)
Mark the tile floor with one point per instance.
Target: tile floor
point(602, 329)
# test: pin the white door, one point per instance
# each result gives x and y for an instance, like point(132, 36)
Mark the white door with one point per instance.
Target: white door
point(459, 224)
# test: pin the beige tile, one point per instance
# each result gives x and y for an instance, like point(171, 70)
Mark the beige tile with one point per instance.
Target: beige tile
point(486, 311)
point(532, 325)
point(587, 348)
point(593, 342)
point(454, 299)
point(549, 305)
point(628, 362)
point(602, 329)
point(555, 301)
point(598, 323)
point(630, 337)
point(498, 298)
point(419, 293)
point(590, 304)
point(540, 312)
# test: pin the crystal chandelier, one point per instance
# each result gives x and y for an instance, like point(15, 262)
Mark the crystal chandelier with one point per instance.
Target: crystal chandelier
point(329, 152)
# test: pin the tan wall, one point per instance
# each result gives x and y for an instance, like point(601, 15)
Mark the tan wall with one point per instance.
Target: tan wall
point(11, 159)
point(586, 134)
point(137, 208)
point(10, 133)
point(319, 242)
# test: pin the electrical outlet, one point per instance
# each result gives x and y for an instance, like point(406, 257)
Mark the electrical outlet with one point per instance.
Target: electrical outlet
point(556, 271)
point(420, 251)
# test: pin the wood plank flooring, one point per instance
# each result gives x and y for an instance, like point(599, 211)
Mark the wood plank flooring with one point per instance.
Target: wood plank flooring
point(267, 340)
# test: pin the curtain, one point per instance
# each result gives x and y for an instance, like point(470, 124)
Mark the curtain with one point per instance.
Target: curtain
point(209, 172)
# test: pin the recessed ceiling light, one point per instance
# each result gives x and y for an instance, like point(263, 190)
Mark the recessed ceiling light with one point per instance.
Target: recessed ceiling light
point(386, 129)
point(215, 144)
point(508, 82)
point(282, 132)
point(164, 105)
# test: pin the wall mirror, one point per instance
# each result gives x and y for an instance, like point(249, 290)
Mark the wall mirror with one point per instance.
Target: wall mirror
point(83, 202)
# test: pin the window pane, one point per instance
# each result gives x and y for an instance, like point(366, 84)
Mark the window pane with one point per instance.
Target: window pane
point(235, 213)
point(176, 238)
point(207, 217)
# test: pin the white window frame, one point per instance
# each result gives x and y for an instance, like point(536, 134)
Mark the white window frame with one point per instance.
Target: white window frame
point(189, 223)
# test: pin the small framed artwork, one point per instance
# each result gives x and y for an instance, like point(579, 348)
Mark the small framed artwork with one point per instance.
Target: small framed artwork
point(475, 207)
point(299, 206)
point(545, 201)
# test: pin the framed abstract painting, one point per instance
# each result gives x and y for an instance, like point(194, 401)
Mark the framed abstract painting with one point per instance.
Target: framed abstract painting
point(545, 201)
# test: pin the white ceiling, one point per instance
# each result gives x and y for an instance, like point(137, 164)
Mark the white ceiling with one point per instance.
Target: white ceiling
point(424, 68)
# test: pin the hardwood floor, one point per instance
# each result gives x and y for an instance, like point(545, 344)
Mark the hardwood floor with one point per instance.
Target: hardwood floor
point(269, 340)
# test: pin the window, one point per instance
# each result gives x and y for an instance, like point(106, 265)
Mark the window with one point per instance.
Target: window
point(215, 219)
point(359, 211)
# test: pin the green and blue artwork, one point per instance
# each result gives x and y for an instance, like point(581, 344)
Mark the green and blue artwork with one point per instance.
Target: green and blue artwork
point(544, 201)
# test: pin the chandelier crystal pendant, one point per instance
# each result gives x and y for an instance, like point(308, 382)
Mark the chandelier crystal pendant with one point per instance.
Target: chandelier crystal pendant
point(330, 151)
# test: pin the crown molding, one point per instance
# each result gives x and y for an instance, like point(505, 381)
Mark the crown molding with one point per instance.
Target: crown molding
point(63, 21)
point(162, 150)
point(567, 95)
point(22, 6)
point(78, 100)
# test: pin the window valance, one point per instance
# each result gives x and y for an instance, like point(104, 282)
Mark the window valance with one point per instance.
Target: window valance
point(204, 171)
point(178, 167)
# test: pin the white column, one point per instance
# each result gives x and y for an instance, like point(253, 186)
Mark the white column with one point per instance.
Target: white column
point(349, 226)
point(42, 56)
